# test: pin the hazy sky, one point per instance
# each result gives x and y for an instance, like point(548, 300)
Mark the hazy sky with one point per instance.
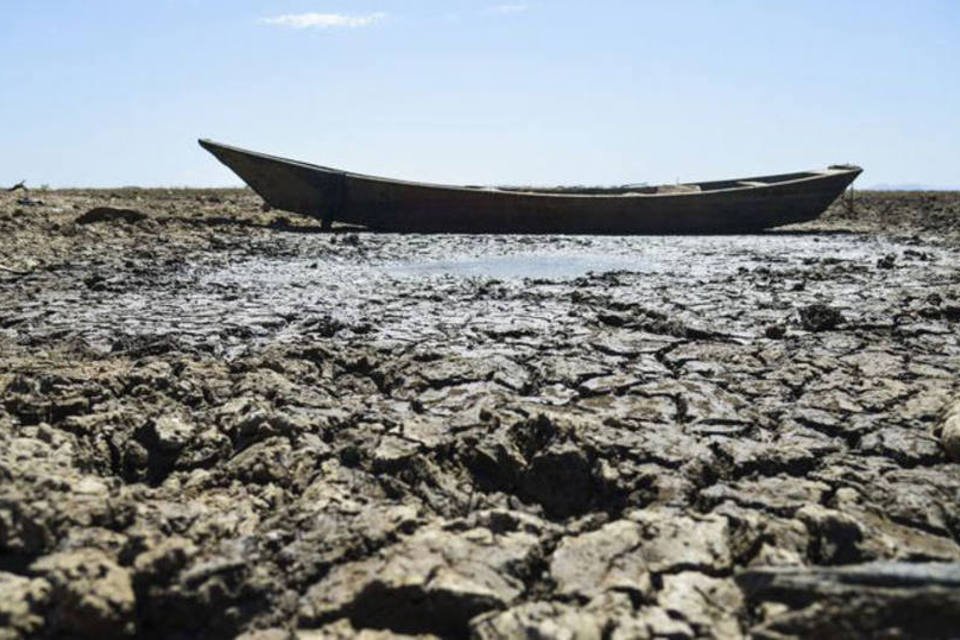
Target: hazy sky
point(110, 93)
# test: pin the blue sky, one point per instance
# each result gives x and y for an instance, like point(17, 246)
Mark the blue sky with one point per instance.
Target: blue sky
point(112, 93)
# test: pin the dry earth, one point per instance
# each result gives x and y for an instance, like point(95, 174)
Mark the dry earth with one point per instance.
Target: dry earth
point(218, 421)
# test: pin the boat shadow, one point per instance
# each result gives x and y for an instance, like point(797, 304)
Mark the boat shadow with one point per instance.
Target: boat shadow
point(279, 224)
point(285, 225)
point(809, 232)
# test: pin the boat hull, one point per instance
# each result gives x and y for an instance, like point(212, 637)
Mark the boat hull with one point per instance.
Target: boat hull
point(407, 207)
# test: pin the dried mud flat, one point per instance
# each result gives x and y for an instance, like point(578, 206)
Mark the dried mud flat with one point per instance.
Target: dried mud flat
point(217, 421)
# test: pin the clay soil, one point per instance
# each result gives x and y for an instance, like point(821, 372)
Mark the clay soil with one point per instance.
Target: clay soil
point(216, 421)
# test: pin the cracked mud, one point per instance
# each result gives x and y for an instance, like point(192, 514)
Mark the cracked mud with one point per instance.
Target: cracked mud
point(218, 421)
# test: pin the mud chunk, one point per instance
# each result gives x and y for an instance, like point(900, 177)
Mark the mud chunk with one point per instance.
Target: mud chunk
point(606, 559)
point(923, 497)
point(652, 622)
point(705, 603)
point(134, 460)
point(906, 446)
point(703, 402)
point(90, 597)
point(433, 582)
point(563, 480)
point(540, 620)
point(675, 541)
point(782, 495)
point(203, 450)
point(820, 317)
point(748, 456)
point(110, 214)
point(249, 422)
point(497, 463)
point(324, 325)
point(761, 539)
point(22, 604)
point(950, 432)
point(607, 384)
point(160, 562)
point(531, 460)
point(835, 537)
point(263, 462)
point(170, 432)
point(393, 454)
point(887, 261)
point(622, 556)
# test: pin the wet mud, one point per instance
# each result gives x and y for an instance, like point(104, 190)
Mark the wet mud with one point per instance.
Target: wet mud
point(216, 421)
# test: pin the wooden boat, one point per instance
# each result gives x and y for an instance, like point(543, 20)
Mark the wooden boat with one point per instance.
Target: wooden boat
point(381, 204)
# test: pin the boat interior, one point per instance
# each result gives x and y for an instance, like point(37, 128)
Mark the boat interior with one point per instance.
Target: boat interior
point(692, 187)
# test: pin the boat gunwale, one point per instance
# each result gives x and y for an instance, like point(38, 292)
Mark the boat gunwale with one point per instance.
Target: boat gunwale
point(814, 176)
